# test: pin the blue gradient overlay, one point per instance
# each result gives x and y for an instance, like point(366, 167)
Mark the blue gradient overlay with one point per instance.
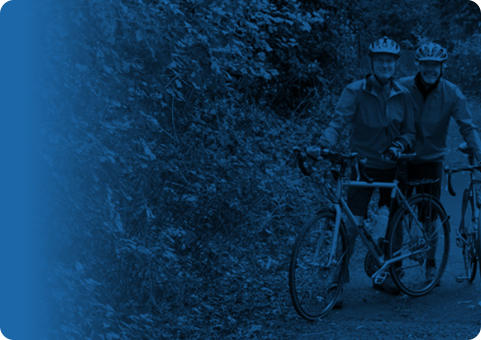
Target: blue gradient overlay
point(22, 261)
point(45, 235)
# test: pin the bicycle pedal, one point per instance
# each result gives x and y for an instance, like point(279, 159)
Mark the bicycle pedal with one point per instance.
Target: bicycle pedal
point(380, 278)
point(461, 279)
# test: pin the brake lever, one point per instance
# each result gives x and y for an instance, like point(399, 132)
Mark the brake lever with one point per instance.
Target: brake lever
point(302, 162)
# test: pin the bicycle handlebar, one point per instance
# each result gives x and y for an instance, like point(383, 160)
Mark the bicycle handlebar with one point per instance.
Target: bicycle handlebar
point(334, 157)
point(451, 171)
point(340, 158)
point(464, 148)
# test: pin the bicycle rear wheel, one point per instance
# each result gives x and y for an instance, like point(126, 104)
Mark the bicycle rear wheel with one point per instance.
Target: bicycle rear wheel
point(311, 274)
point(420, 236)
point(477, 236)
point(469, 241)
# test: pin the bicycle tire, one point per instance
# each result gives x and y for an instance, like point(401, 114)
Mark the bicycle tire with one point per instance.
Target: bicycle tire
point(423, 239)
point(308, 267)
point(478, 239)
point(469, 247)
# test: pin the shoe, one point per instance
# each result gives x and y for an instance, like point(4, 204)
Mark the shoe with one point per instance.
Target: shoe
point(387, 286)
point(339, 302)
point(370, 265)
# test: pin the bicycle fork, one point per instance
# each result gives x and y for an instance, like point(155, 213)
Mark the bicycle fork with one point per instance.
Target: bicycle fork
point(337, 226)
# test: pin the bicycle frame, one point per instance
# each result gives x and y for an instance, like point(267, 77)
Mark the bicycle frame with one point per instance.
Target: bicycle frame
point(471, 189)
point(323, 247)
point(473, 198)
point(342, 208)
point(474, 192)
point(470, 199)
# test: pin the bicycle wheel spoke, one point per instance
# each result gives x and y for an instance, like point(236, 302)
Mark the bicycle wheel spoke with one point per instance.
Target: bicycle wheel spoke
point(421, 237)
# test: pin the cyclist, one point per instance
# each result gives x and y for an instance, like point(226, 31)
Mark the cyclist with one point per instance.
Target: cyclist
point(378, 112)
point(436, 100)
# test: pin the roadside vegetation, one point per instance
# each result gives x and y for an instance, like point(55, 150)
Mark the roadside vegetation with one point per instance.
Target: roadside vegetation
point(170, 151)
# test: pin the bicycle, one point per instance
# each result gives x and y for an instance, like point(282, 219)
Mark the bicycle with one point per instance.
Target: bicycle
point(417, 228)
point(468, 236)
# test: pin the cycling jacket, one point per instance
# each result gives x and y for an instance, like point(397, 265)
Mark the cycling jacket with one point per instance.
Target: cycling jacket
point(432, 114)
point(375, 119)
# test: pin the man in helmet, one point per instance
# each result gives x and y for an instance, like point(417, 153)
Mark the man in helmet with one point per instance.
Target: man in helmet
point(436, 101)
point(378, 112)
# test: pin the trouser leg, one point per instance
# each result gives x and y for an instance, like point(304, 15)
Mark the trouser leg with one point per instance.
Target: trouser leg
point(433, 171)
point(358, 201)
point(385, 175)
point(352, 233)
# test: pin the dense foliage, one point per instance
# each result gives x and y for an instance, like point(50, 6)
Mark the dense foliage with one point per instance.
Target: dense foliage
point(169, 144)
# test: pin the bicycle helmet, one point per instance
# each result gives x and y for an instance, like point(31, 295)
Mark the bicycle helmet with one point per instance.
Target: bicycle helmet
point(431, 52)
point(385, 45)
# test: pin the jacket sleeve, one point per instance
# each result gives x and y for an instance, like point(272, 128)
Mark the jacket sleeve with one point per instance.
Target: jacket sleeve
point(408, 128)
point(464, 119)
point(343, 116)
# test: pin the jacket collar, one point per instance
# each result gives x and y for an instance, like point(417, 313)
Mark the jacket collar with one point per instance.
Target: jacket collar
point(434, 95)
point(423, 88)
point(372, 86)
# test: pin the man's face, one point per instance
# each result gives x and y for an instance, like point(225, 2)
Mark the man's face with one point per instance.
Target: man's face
point(384, 65)
point(430, 71)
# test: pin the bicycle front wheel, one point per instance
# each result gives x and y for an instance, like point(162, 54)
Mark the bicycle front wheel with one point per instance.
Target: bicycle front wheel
point(314, 277)
point(419, 237)
point(470, 238)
